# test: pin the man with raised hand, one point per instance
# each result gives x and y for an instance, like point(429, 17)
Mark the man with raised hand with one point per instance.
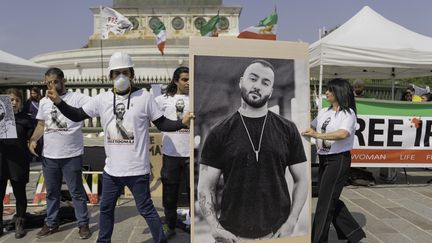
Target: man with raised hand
point(62, 155)
point(127, 162)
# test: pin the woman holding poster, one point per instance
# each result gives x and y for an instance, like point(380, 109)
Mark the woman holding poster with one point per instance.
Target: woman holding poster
point(334, 128)
point(15, 162)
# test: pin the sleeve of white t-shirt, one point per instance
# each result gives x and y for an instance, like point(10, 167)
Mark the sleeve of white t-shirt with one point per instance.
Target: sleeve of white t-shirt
point(39, 114)
point(153, 110)
point(348, 121)
point(159, 101)
point(314, 123)
point(83, 99)
point(91, 107)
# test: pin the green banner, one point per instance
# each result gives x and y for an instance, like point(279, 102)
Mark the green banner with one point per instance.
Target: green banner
point(390, 108)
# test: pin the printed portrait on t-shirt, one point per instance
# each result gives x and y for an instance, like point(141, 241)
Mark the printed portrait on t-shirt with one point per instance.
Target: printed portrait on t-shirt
point(326, 144)
point(56, 120)
point(7, 118)
point(119, 128)
point(180, 105)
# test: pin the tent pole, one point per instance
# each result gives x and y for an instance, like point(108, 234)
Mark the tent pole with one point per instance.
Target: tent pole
point(393, 76)
point(320, 87)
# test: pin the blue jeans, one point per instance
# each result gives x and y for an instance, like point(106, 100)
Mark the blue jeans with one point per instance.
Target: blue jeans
point(112, 187)
point(70, 170)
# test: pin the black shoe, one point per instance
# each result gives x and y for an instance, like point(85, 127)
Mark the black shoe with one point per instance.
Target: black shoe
point(169, 233)
point(84, 231)
point(19, 228)
point(46, 230)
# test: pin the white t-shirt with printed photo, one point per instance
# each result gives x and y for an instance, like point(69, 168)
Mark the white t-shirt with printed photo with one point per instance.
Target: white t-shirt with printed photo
point(176, 143)
point(62, 137)
point(331, 121)
point(126, 139)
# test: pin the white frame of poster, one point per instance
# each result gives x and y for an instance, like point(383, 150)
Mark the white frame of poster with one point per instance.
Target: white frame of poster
point(8, 126)
point(300, 105)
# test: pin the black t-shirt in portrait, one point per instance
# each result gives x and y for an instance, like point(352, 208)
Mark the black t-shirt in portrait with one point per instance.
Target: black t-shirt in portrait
point(255, 200)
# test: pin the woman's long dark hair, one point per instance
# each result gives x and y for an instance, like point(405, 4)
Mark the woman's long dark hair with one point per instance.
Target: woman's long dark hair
point(344, 94)
point(172, 87)
point(37, 91)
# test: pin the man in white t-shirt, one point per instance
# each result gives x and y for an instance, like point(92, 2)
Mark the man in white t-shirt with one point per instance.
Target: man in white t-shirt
point(127, 162)
point(62, 155)
point(174, 104)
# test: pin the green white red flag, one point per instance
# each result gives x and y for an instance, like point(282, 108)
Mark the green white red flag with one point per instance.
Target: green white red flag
point(161, 36)
point(266, 29)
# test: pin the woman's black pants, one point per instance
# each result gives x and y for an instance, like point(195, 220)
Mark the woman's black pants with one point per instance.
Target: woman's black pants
point(19, 190)
point(333, 173)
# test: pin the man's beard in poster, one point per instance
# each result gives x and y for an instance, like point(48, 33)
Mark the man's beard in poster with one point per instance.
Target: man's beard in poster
point(254, 103)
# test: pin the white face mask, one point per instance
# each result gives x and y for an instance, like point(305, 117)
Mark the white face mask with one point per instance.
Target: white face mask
point(121, 83)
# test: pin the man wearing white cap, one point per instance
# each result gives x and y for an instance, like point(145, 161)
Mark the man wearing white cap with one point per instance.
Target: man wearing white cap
point(127, 161)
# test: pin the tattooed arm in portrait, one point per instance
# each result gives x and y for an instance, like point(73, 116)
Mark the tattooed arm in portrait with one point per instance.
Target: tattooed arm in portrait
point(208, 179)
point(299, 196)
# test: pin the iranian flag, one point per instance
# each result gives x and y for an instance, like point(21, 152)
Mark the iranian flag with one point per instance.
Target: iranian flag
point(266, 29)
point(160, 34)
point(210, 28)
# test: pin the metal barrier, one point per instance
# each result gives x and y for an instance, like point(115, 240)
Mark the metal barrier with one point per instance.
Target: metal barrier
point(39, 198)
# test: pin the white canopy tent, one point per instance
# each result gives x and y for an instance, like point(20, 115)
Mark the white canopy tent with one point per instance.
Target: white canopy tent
point(371, 46)
point(15, 70)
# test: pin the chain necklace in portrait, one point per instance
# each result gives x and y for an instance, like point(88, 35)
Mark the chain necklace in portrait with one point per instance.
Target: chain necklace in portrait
point(250, 139)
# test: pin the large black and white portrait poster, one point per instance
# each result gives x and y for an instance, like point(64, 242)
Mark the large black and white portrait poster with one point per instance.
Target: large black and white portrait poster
point(7, 118)
point(252, 167)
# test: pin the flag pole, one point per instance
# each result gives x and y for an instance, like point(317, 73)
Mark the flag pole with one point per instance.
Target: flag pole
point(166, 66)
point(101, 52)
point(101, 59)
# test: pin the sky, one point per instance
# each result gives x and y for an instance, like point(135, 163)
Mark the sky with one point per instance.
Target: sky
point(29, 28)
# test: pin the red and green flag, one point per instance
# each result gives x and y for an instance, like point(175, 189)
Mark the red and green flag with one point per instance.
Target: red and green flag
point(266, 29)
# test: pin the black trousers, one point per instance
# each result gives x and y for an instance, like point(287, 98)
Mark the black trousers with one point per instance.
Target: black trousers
point(19, 190)
point(333, 173)
point(171, 174)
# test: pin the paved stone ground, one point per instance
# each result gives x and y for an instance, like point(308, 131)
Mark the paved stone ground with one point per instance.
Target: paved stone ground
point(394, 213)
point(129, 227)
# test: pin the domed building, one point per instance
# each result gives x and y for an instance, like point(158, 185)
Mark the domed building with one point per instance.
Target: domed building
point(182, 19)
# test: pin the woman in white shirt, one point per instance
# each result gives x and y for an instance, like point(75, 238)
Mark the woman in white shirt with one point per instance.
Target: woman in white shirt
point(334, 128)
